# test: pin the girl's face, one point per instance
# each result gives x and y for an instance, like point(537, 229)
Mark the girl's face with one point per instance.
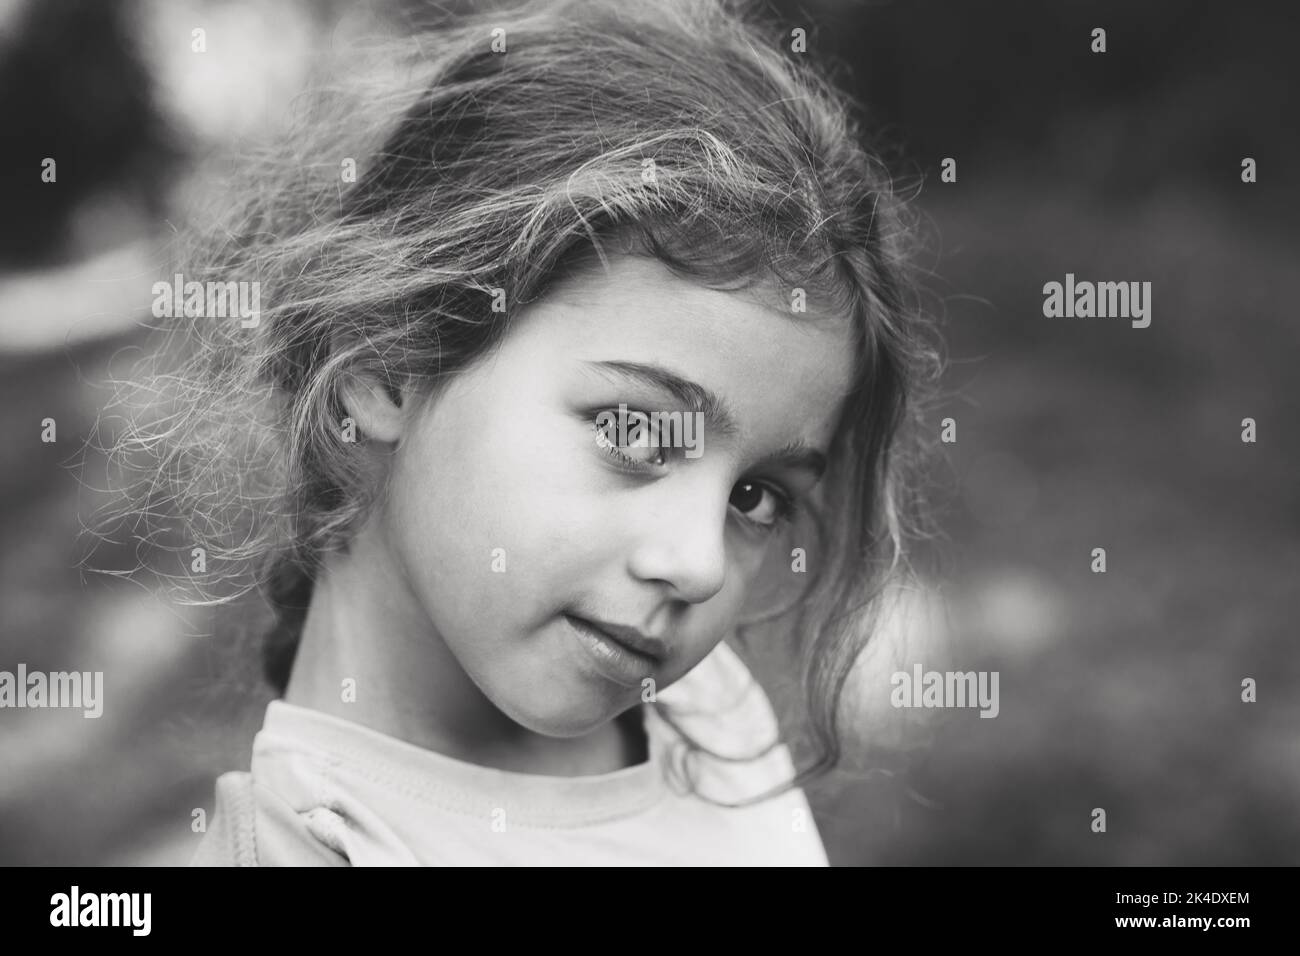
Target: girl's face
point(566, 573)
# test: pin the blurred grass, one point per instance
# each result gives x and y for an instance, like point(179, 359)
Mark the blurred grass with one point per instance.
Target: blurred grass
point(1121, 690)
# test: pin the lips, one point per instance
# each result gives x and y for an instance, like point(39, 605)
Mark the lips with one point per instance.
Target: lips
point(655, 648)
point(610, 652)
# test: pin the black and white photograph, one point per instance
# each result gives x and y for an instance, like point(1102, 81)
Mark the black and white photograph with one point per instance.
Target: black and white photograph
point(650, 433)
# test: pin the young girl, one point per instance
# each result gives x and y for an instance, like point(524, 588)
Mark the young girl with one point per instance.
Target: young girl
point(500, 617)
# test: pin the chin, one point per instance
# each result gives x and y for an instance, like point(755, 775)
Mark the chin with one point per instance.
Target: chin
point(564, 714)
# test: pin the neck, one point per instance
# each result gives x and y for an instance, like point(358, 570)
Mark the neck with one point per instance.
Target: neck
point(369, 655)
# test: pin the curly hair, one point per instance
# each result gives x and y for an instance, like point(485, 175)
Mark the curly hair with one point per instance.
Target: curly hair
point(503, 161)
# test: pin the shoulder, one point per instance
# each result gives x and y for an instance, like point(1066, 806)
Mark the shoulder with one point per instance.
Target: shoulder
point(229, 840)
point(251, 826)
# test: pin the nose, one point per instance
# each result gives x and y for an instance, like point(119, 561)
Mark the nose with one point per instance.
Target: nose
point(683, 541)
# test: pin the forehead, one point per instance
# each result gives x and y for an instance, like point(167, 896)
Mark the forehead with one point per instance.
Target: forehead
point(784, 373)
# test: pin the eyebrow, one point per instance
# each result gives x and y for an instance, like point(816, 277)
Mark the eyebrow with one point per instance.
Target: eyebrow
point(692, 395)
point(799, 455)
point(717, 416)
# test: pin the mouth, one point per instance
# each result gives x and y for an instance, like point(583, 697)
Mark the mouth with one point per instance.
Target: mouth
point(619, 653)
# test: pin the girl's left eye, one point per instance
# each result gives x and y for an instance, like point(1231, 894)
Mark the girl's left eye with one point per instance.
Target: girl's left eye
point(761, 505)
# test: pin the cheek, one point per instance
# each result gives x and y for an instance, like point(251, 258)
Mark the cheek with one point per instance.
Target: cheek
point(481, 499)
point(708, 623)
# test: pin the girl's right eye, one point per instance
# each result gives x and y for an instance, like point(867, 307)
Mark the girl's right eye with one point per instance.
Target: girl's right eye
point(641, 452)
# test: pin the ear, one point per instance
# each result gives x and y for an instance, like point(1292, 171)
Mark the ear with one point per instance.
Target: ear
point(374, 404)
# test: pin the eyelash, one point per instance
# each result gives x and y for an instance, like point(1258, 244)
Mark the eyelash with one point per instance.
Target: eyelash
point(787, 508)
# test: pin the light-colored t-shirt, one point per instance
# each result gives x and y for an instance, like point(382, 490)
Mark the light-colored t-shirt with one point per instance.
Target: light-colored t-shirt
point(323, 790)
